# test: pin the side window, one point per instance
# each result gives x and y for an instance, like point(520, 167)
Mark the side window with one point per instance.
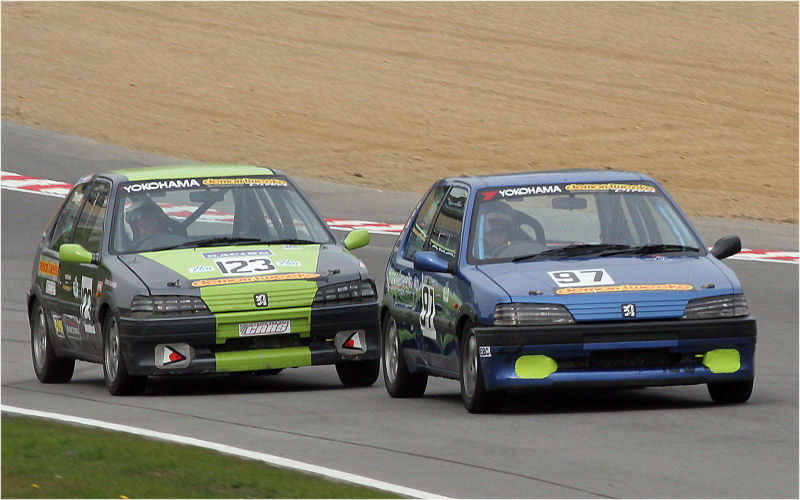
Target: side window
point(421, 225)
point(66, 219)
point(446, 233)
point(89, 232)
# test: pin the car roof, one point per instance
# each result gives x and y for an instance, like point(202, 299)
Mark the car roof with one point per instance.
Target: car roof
point(550, 177)
point(184, 171)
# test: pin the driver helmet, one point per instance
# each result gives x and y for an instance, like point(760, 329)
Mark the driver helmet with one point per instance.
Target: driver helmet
point(145, 217)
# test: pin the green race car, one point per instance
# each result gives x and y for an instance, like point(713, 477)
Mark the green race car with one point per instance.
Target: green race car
point(198, 269)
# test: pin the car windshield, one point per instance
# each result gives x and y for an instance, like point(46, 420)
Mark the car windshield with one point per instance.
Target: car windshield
point(559, 221)
point(195, 212)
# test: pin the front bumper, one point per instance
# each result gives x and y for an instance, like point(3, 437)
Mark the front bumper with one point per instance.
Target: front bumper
point(144, 342)
point(632, 353)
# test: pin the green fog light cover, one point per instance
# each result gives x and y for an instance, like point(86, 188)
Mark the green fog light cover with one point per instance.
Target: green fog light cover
point(535, 366)
point(722, 360)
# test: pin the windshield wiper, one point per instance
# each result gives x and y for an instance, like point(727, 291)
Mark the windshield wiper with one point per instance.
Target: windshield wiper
point(574, 250)
point(293, 241)
point(651, 248)
point(211, 242)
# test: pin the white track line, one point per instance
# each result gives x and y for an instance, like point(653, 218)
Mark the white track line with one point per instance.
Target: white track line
point(230, 450)
point(27, 184)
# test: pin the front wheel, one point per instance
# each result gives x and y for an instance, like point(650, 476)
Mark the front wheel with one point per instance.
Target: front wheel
point(358, 373)
point(730, 392)
point(49, 368)
point(115, 371)
point(476, 398)
point(399, 382)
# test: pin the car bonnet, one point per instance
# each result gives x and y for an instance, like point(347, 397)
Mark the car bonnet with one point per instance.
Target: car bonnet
point(594, 289)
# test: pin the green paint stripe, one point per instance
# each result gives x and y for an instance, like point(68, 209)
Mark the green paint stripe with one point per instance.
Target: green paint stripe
point(263, 359)
point(182, 171)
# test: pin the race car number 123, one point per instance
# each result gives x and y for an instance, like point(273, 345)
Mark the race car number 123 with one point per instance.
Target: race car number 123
point(245, 266)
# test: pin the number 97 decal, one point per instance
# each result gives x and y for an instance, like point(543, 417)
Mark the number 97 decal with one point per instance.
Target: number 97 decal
point(257, 265)
point(581, 277)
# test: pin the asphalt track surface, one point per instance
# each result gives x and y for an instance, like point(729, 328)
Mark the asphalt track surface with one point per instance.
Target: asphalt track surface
point(655, 442)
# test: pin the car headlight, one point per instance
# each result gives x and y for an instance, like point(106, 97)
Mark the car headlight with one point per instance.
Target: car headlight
point(721, 306)
point(346, 293)
point(176, 305)
point(517, 314)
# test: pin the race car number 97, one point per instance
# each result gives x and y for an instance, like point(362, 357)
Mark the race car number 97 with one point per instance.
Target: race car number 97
point(245, 266)
point(581, 277)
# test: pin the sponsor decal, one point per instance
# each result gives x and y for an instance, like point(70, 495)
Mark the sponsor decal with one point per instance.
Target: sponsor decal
point(250, 181)
point(236, 253)
point(72, 326)
point(527, 191)
point(446, 293)
point(86, 304)
point(265, 328)
point(615, 187)
point(485, 351)
point(109, 283)
point(48, 268)
point(99, 288)
point(261, 300)
point(76, 288)
point(291, 247)
point(138, 187)
point(58, 324)
point(201, 269)
point(581, 277)
point(288, 263)
point(660, 287)
point(173, 355)
point(50, 287)
point(351, 342)
point(628, 310)
point(255, 279)
point(258, 265)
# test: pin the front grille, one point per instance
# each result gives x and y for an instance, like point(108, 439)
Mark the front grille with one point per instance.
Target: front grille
point(626, 359)
point(262, 342)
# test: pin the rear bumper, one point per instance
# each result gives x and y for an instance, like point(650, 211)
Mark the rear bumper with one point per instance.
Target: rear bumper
point(618, 354)
point(143, 343)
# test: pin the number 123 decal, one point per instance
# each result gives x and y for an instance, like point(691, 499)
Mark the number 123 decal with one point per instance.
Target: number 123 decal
point(256, 265)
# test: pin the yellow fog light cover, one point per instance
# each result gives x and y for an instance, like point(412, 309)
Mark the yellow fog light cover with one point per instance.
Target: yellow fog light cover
point(722, 360)
point(535, 366)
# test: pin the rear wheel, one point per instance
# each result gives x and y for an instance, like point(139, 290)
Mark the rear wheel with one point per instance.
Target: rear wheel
point(731, 392)
point(49, 368)
point(399, 381)
point(358, 373)
point(476, 398)
point(115, 371)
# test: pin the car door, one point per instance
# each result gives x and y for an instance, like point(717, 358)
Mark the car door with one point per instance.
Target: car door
point(439, 304)
point(404, 282)
point(55, 284)
point(86, 280)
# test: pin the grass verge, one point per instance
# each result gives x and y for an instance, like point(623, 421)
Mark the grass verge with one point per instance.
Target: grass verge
point(44, 459)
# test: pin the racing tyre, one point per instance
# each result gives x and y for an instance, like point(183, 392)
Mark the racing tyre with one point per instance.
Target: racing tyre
point(115, 372)
point(49, 368)
point(358, 373)
point(400, 383)
point(476, 398)
point(730, 392)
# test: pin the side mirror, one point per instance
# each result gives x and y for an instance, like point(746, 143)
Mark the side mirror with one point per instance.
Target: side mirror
point(356, 238)
point(432, 263)
point(726, 246)
point(72, 252)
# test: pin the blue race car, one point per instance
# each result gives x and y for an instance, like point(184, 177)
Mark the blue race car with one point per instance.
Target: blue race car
point(558, 279)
